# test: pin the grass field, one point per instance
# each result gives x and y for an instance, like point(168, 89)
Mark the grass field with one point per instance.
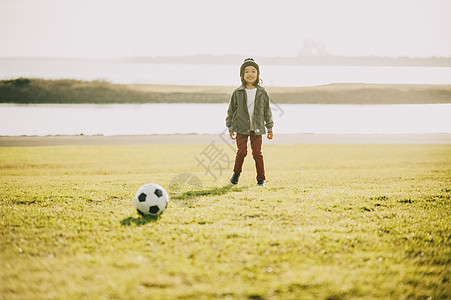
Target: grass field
point(334, 222)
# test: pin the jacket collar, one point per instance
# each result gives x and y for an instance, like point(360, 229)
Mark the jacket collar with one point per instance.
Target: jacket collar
point(242, 88)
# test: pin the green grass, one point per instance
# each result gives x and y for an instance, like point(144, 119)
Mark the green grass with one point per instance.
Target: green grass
point(334, 222)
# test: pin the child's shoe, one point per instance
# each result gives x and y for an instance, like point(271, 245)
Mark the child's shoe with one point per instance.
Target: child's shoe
point(234, 179)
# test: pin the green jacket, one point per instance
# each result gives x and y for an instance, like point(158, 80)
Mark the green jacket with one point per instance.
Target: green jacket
point(238, 113)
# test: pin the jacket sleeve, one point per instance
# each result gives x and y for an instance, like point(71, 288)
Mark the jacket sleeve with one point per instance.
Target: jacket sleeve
point(231, 110)
point(269, 123)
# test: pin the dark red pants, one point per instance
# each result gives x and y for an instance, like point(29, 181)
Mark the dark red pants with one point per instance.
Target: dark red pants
point(256, 145)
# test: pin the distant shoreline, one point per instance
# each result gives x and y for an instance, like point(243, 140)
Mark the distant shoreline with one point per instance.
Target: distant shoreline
point(234, 59)
point(183, 139)
point(33, 90)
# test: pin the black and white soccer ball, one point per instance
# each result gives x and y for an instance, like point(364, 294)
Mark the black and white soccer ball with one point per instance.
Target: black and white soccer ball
point(151, 199)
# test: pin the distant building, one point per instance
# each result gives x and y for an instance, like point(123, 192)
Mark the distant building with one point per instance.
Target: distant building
point(312, 48)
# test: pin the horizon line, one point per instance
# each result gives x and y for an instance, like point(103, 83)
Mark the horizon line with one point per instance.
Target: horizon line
point(313, 56)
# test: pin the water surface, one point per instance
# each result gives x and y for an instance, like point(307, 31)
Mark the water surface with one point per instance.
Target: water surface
point(124, 119)
point(220, 75)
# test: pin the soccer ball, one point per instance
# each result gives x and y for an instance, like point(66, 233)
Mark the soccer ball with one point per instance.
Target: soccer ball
point(151, 199)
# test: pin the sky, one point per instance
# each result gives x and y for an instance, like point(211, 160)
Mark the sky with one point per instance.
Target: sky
point(129, 28)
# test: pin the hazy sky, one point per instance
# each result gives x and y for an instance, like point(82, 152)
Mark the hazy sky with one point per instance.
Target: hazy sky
point(109, 28)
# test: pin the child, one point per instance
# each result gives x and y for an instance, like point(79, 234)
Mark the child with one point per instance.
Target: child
point(248, 114)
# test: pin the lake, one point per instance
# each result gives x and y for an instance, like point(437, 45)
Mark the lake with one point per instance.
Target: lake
point(125, 119)
point(218, 75)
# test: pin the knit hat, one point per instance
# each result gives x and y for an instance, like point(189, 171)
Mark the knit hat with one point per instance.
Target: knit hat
point(249, 62)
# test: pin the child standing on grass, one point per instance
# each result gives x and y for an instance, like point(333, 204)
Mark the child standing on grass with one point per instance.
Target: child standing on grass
point(247, 116)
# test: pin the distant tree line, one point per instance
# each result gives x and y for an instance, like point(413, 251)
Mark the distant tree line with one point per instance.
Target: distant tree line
point(27, 91)
point(367, 96)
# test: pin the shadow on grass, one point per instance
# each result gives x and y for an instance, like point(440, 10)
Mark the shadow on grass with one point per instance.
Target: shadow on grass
point(215, 191)
point(190, 197)
point(139, 221)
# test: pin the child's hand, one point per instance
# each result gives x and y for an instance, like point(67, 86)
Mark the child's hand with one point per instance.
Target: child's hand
point(269, 135)
point(232, 135)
